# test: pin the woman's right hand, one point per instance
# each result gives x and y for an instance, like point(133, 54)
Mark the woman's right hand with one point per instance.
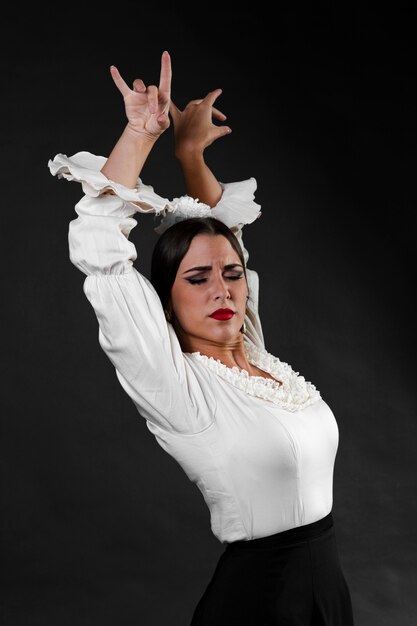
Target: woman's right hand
point(147, 108)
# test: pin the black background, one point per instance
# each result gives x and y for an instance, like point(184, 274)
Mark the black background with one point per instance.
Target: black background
point(99, 525)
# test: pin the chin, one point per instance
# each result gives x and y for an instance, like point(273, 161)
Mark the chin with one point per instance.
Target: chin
point(224, 335)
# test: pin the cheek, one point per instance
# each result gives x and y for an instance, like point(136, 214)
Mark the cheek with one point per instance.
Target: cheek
point(186, 300)
point(243, 291)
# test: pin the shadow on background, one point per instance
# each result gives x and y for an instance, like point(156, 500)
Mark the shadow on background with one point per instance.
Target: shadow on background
point(99, 525)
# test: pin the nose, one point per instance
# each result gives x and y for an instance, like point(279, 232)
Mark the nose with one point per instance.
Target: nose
point(220, 289)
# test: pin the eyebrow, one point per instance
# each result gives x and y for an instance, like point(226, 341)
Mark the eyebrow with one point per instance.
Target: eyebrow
point(205, 268)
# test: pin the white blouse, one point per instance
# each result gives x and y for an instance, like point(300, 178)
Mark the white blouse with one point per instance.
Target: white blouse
point(261, 453)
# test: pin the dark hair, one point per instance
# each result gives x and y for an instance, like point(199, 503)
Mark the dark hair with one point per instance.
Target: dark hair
point(173, 245)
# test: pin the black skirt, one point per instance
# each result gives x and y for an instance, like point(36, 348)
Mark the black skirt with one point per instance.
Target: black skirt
point(292, 578)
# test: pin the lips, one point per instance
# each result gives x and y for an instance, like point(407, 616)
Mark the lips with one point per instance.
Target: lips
point(222, 314)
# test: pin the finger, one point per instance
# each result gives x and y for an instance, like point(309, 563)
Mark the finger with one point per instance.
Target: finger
point(119, 82)
point(218, 114)
point(221, 131)
point(165, 76)
point(212, 96)
point(175, 112)
point(152, 98)
point(198, 101)
point(139, 85)
point(163, 120)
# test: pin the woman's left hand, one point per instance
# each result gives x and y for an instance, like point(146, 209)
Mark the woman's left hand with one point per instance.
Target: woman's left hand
point(193, 127)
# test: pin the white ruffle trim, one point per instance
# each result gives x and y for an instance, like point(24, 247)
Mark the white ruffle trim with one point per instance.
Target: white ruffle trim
point(294, 394)
point(235, 208)
point(181, 209)
point(84, 168)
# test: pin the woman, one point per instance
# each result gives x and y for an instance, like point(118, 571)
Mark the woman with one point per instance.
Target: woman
point(253, 434)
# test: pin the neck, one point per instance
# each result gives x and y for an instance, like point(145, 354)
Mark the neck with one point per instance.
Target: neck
point(231, 353)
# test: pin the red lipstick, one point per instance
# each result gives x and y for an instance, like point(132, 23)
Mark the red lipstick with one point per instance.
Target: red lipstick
point(222, 314)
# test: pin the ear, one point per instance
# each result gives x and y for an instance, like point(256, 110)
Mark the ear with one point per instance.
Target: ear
point(168, 311)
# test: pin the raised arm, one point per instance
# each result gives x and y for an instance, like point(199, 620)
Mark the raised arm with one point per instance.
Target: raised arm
point(232, 203)
point(147, 114)
point(194, 132)
point(133, 330)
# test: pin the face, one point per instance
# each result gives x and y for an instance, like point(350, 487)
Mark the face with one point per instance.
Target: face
point(210, 277)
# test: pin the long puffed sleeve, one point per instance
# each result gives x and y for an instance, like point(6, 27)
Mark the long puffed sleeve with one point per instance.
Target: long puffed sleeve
point(236, 208)
point(133, 331)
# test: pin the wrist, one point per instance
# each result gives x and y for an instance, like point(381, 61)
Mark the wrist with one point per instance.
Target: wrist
point(189, 154)
point(139, 138)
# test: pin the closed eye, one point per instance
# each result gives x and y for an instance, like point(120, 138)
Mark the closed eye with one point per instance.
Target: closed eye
point(198, 281)
point(234, 277)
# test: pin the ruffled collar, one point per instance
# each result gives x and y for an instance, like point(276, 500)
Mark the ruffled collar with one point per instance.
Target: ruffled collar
point(293, 394)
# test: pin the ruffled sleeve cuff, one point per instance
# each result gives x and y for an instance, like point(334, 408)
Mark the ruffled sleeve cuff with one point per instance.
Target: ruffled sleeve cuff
point(237, 207)
point(84, 167)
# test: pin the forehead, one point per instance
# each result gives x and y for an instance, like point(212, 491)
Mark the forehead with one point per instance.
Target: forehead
point(208, 249)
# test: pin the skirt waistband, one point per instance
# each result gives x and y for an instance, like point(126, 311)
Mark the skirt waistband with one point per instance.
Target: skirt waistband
point(287, 537)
